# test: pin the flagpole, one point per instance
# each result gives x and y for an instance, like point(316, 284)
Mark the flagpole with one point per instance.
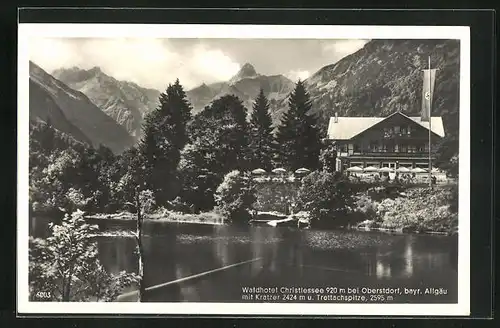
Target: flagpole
point(430, 119)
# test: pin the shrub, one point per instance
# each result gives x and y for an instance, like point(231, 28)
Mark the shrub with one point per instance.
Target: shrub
point(235, 196)
point(453, 199)
point(328, 157)
point(275, 195)
point(325, 195)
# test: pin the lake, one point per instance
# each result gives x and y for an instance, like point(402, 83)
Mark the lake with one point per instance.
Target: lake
point(285, 257)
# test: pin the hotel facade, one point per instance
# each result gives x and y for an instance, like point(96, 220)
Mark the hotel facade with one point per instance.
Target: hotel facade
point(393, 141)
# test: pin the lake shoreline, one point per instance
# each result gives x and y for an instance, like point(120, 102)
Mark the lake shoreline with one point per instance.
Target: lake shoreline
point(208, 218)
point(398, 230)
point(401, 210)
point(404, 231)
point(413, 210)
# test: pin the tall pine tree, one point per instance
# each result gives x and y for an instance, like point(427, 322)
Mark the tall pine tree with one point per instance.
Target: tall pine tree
point(261, 134)
point(164, 135)
point(298, 135)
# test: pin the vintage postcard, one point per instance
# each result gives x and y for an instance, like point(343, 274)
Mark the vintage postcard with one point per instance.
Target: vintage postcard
point(243, 169)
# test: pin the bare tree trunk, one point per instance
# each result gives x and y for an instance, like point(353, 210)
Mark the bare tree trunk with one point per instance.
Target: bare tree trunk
point(140, 250)
point(66, 290)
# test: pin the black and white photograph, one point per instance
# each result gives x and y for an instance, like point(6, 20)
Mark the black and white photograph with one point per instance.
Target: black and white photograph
point(234, 169)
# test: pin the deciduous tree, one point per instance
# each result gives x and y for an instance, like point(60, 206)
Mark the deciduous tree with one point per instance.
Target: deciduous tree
point(218, 144)
point(66, 267)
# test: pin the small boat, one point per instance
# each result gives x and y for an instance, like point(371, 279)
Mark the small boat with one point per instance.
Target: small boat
point(259, 222)
point(303, 224)
point(289, 222)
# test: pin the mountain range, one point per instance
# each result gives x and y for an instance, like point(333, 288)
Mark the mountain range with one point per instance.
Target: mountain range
point(124, 101)
point(386, 76)
point(246, 85)
point(383, 77)
point(72, 112)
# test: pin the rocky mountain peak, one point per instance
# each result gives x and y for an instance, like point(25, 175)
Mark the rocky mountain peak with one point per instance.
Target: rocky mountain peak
point(95, 70)
point(124, 101)
point(76, 74)
point(246, 71)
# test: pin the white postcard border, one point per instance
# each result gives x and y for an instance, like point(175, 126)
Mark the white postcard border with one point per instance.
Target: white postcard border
point(27, 31)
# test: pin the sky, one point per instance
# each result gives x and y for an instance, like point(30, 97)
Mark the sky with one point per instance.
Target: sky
point(154, 63)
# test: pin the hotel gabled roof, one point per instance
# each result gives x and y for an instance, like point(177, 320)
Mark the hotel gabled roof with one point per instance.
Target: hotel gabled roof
point(348, 127)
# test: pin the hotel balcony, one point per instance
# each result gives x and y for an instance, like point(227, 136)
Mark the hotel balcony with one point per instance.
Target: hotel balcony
point(394, 155)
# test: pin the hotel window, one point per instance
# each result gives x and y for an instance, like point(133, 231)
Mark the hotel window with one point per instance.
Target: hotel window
point(387, 132)
point(384, 148)
point(403, 131)
point(396, 129)
point(412, 149)
point(421, 148)
point(343, 148)
point(374, 147)
point(357, 148)
point(408, 131)
point(403, 148)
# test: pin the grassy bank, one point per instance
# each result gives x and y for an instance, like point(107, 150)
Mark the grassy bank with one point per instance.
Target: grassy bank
point(409, 209)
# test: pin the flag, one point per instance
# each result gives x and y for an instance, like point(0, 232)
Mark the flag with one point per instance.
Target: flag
point(428, 92)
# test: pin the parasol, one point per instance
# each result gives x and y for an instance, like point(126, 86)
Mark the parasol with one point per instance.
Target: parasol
point(355, 169)
point(258, 171)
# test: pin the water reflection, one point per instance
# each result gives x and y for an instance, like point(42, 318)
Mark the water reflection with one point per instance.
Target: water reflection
point(220, 246)
point(409, 256)
point(179, 252)
point(288, 256)
point(292, 249)
point(383, 268)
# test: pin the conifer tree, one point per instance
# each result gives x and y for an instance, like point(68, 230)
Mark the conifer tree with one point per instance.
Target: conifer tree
point(164, 135)
point(261, 134)
point(298, 135)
